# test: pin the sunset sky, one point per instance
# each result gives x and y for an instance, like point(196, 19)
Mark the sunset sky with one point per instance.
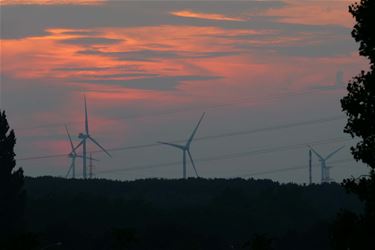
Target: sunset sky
point(149, 69)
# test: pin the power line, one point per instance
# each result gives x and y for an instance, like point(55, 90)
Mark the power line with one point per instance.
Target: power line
point(231, 156)
point(176, 111)
point(277, 127)
point(291, 168)
point(209, 137)
point(299, 167)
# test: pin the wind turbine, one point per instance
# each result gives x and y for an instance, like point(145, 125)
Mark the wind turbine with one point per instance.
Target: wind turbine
point(84, 136)
point(186, 149)
point(73, 155)
point(323, 160)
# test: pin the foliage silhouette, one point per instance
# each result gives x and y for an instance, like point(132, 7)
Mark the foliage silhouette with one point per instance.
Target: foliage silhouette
point(359, 106)
point(12, 193)
point(345, 231)
point(123, 239)
point(259, 242)
point(22, 241)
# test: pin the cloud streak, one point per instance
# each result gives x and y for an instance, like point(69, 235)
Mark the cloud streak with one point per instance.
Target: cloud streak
point(209, 16)
point(155, 55)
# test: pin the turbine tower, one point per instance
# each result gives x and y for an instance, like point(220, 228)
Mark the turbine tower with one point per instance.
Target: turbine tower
point(186, 149)
point(310, 167)
point(91, 166)
point(84, 136)
point(73, 155)
point(325, 170)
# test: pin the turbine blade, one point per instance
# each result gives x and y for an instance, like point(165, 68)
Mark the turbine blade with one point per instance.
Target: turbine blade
point(172, 144)
point(86, 118)
point(316, 153)
point(195, 129)
point(100, 146)
point(79, 144)
point(70, 139)
point(334, 152)
point(192, 163)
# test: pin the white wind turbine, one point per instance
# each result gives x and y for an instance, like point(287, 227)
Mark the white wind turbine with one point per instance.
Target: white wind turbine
point(323, 163)
point(73, 155)
point(84, 136)
point(186, 149)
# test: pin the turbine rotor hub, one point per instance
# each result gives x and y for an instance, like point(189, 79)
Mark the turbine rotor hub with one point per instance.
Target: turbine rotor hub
point(82, 136)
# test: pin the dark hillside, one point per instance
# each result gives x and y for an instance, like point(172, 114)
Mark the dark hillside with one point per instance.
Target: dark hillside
point(182, 214)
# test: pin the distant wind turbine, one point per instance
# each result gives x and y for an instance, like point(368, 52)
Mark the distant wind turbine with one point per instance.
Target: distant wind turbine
point(84, 136)
point(73, 155)
point(323, 163)
point(186, 149)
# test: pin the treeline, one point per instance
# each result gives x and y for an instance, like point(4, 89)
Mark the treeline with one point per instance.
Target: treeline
point(182, 214)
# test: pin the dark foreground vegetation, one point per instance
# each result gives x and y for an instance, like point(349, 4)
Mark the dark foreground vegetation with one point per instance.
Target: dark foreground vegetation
point(182, 214)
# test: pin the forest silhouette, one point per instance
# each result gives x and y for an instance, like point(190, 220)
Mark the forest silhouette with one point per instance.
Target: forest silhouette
point(183, 214)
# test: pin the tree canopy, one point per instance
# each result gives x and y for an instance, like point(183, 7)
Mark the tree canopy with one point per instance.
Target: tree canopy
point(351, 231)
point(12, 194)
point(359, 104)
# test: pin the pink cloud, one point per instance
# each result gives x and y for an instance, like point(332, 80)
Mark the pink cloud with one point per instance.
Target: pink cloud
point(201, 15)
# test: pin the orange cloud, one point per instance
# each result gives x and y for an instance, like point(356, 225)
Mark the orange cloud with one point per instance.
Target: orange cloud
point(201, 15)
point(46, 53)
point(102, 69)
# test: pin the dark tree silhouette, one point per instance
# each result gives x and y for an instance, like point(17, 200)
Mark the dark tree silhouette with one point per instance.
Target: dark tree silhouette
point(359, 106)
point(123, 238)
point(345, 231)
point(259, 242)
point(22, 241)
point(12, 194)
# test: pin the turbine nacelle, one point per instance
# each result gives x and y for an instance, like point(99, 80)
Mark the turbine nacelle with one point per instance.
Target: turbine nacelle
point(82, 136)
